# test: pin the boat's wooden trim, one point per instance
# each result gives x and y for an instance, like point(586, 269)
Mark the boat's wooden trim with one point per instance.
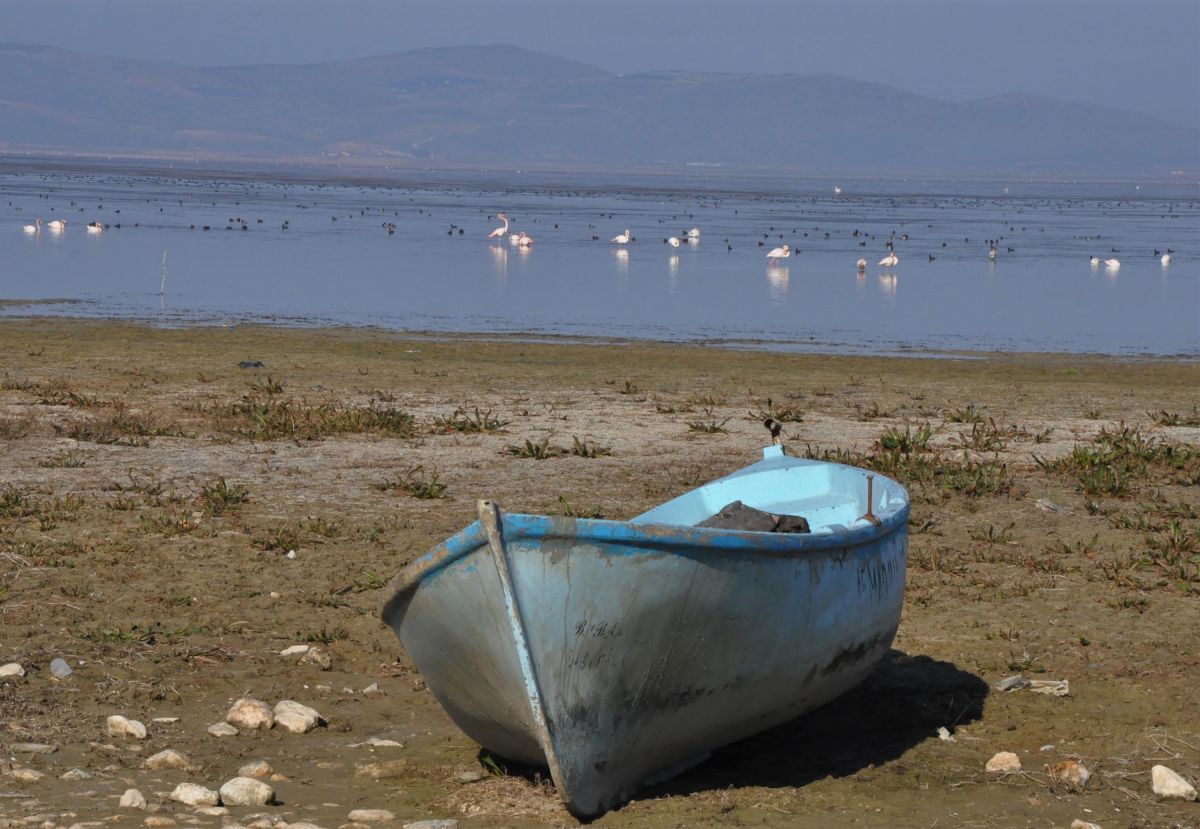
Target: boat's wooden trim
point(489, 518)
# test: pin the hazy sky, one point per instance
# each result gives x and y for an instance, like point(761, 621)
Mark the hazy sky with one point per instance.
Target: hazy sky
point(1139, 55)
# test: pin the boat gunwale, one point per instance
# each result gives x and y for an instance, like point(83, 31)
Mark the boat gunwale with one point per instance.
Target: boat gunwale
point(644, 537)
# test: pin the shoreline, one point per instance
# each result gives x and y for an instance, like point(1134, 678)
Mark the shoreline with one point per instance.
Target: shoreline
point(751, 345)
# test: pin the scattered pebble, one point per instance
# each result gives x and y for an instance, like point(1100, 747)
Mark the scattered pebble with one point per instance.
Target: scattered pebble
point(132, 799)
point(223, 729)
point(1050, 687)
point(295, 650)
point(59, 668)
point(1169, 784)
point(469, 777)
point(167, 759)
point(425, 824)
point(1004, 761)
point(158, 822)
point(302, 825)
point(13, 670)
point(246, 791)
point(250, 714)
point(191, 794)
point(255, 769)
point(318, 657)
point(371, 815)
point(1070, 773)
point(165, 720)
point(1046, 505)
point(943, 733)
point(76, 774)
point(119, 726)
point(32, 748)
point(1083, 824)
point(212, 811)
point(296, 718)
point(373, 688)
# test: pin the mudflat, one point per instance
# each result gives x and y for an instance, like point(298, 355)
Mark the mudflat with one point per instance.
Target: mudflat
point(170, 522)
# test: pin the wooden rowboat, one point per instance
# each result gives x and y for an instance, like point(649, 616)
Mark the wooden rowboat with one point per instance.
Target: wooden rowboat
point(620, 653)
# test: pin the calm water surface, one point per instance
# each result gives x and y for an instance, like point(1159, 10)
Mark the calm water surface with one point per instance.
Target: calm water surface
point(336, 262)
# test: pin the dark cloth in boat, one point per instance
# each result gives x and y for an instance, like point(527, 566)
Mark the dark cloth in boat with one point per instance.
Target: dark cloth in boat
point(738, 516)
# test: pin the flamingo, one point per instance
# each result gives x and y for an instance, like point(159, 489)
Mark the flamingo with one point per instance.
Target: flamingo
point(94, 228)
point(500, 231)
point(674, 241)
point(524, 240)
point(1094, 261)
point(889, 260)
point(992, 253)
point(623, 238)
point(1112, 263)
point(515, 238)
point(837, 191)
point(862, 264)
point(57, 225)
point(694, 233)
point(782, 252)
point(36, 227)
point(1166, 257)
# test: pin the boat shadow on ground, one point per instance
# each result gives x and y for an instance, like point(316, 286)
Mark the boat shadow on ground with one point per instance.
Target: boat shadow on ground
point(899, 705)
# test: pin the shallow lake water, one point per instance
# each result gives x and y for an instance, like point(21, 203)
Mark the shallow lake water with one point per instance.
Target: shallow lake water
point(335, 261)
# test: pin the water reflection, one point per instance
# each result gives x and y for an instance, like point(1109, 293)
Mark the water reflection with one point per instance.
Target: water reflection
point(777, 283)
point(673, 272)
point(887, 285)
point(499, 264)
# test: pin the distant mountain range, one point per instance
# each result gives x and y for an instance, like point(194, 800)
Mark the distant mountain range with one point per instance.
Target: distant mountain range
point(503, 106)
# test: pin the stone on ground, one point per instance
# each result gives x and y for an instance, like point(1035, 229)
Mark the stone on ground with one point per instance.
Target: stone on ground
point(119, 726)
point(132, 799)
point(255, 769)
point(168, 758)
point(223, 729)
point(250, 714)
point(1004, 761)
point(1169, 784)
point(1071, 774)
point(246, 791)
point(192, 794)
point(371, 816)
point(296, 718)
point(12, 670)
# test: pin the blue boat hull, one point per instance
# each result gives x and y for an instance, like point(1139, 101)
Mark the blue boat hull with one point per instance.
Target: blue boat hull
point(619, 653)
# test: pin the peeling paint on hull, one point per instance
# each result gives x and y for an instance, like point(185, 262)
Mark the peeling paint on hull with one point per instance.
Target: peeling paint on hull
point(645, 646)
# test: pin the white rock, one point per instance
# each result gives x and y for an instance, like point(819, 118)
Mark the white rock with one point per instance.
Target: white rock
point(13, 670)
point(191, 794)
point(159, 822)
point(119, 726)
point(212, 811)
point(295, 650)
point(1083, 824)
point(250, 714)
point(432, 824)
point(373, 688)
point(1169, 784)
point(371, 816)
point(165, 720)
point(255, 769)
point(59, 668)
point(25, 775)
point(76, 774)
point(222, 729)
point(32, 748)
point(943, 733)
point(1004, 761)
point(132, 799)
point(300, 824)
point(246, 791)
point(168, 758)
point(296, 718)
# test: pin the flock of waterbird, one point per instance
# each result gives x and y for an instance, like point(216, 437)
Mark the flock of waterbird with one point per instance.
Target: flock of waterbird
point(523, 241)
point(777, 254)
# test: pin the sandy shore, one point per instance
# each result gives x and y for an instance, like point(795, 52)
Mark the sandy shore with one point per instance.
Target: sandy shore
point(151, 489)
